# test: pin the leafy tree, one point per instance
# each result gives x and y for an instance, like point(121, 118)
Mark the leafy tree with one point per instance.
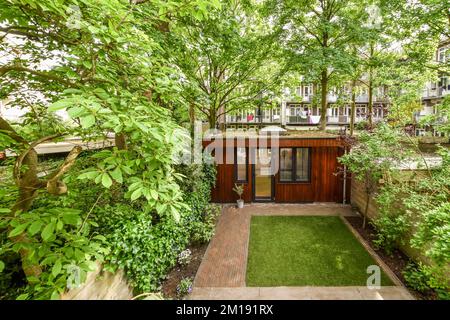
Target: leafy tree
point(227, 61)
point(317, 34)
point(372, 158)
point(102, 61)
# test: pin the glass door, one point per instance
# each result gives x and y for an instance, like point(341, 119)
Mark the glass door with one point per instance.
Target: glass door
point(263, 176)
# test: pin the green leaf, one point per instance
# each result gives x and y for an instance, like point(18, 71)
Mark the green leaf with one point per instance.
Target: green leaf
point(175, 214)
point(48, 231)
point(2, 266)
point(18, 230)
point(35, 227)
point(99, 237)
point(4, 210)
point(101, 93)
point(57, 268)
point(68, 252)
point(87, 64)
point(106, 180)
point(71, 218)
point(72, 91)
point(87, 121)
point(23, 296)
point(88, 175)
point(55, 295)
point(59, 225)
point(58, 105)
point(154, 194)
point(76, 111)
point(117, 175)
point(136, 194)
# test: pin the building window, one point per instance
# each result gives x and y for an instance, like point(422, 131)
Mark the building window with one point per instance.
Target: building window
point(307, 91)
point(295, 165)
point(442, 55)
point(241, 164)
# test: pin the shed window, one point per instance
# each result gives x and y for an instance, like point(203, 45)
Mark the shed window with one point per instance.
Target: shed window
point(286, 164)
point(241, 164)
point(302, 164)
point(295, 165)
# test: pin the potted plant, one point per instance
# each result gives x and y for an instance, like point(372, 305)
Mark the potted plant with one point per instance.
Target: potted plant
point(239, 189)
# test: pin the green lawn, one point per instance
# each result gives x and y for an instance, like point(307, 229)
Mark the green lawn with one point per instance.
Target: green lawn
point(305, 251)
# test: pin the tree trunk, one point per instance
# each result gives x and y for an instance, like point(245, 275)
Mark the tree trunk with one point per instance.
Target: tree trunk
point(192, 119)
point(212, 119)
point(120, 141)
point(25, 175)
point(353, 108)
point(324, 102)
point(366, 209)
point(28, 184)
point(370, 103)
point(370, 84)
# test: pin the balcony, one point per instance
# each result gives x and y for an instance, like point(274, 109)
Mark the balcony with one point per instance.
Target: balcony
point(338, 119)
point(362, 98)
point(254, 120)
point(298, 120)
point(434, 92)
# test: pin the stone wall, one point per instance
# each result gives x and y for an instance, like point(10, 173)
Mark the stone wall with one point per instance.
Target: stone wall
point(101, 285)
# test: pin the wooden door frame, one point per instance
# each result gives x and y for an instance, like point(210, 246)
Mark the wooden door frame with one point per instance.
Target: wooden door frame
point(272, 178)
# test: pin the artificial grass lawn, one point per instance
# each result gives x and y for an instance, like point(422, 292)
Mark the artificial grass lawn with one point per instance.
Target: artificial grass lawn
point(306, 251)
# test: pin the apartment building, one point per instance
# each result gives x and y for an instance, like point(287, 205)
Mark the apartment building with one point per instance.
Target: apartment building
point(434, 92)
point(297, 108)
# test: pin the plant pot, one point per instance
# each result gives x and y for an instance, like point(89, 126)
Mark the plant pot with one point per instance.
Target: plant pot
point(240, 204)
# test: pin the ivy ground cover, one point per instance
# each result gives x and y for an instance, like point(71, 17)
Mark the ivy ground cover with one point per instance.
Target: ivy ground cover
point(306, 251)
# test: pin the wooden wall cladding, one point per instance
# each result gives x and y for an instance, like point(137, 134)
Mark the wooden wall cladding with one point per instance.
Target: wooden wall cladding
point(325, 185)
point(223, 192)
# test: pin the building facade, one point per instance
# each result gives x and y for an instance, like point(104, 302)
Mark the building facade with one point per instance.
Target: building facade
point(297, 109)
point(434, 92)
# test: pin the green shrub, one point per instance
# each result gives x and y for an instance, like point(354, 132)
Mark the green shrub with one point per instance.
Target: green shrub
point(423, 278)
point(147, 246)
point(184, 287)
point(434, 231)
point(12, 278)
point(197, 195)
point(390, 231)
point(93, 223)
point(144, 249)
point(60, 242)
point(203, 230)
point(362, 125)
